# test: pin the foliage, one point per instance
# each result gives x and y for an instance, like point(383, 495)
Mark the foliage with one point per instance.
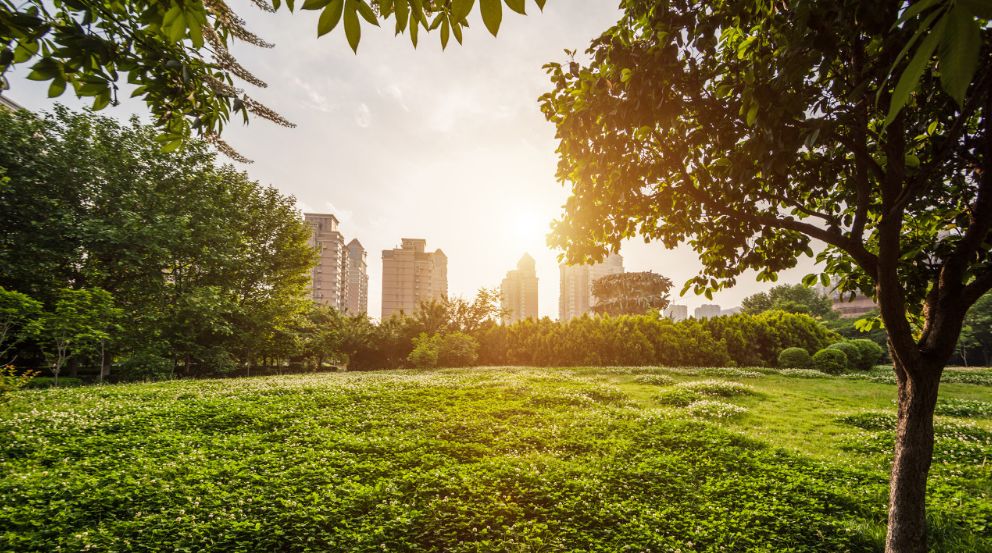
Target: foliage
point(803, 373)
point(716, 388)
point(791, 298)
point(630, 293)
point(18, 319)
point(794, 358)
point(207, 265)
point(178, 55)
point(78, 322)
point(12, 380)
point(49, 382)
point(976, 342)
point(459, 315)
point(757, 340)
point(457, 349)
point(869, 353)
point(972, 408)
point(425, 350)
point(830, 361)
point(712, 409)
point(852, 353)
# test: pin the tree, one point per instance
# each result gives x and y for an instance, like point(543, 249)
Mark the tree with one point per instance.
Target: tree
point(748, 130)
point(78, 322)
point(792, 298)
point(177, 54)
point(202, 259)
point(19, 314)
point(458, 314)
point(630, 293)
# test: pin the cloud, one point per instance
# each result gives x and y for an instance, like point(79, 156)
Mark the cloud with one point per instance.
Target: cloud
point(363, 116)
point(343, 215)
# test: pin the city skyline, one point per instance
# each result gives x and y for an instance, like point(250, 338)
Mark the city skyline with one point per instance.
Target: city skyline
point(447, 146)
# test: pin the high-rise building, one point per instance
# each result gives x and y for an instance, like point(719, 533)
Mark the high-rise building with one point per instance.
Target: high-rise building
point(706, 311)
point(677, 312)
point(328, 280)
point(410, 276)
point(518, 292)
point(575, 293)
point(357, 297)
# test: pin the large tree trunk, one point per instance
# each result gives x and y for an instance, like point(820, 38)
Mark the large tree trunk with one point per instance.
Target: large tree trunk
point(907, 530)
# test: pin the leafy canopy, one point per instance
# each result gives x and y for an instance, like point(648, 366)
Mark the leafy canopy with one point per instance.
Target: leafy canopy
point(630, 293)
point(176, 54)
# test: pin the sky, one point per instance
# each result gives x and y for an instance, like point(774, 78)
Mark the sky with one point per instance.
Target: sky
point(448, 146)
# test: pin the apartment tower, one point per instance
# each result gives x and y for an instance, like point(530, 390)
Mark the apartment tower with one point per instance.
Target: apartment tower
point(410, 276)
point(518, 292)
point(575, 293)
point(357, 297)
point(328, 280)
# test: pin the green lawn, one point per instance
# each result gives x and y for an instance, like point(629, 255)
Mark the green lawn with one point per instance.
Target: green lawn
point(501, 459)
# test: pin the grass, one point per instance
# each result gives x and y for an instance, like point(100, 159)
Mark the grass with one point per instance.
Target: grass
point(494, 459)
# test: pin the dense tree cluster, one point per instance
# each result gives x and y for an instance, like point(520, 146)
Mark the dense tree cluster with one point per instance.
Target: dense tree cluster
point(206, 267)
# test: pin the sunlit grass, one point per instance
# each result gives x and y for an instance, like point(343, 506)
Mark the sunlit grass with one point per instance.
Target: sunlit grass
point(489, 459)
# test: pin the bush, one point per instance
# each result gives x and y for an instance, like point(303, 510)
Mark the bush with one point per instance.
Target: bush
point(144, 365)
point(425, 351)
point(679, 397)
point(710, 409)
point(719, 388)
point(869, 353)
point(11, 380)
point(830, 361)
point(850, 351)
point(794, 358)
point(803, 373)
point(457, 349)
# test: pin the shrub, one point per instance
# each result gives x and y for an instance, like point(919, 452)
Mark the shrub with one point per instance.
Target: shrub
point(425, 350)
point(656, 379)
point(11, 380)
point(457, 349)
point(144, 365)
point(973, 408)
point(803, 373)
point(710, 409)
point(869, 353)
point(851, 353)
point(679, 397)
point(718, 388)
point(794, 358)
point(830, 361)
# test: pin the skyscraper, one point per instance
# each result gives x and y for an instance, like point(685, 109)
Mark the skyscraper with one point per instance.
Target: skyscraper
point(518, 292)
point(357, 300)
point(575, 294)
point(411, 275)
point(677, 312)
point(706, 311)
point(328, 280)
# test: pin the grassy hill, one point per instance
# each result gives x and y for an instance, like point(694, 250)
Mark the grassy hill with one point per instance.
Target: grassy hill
point(501, 459)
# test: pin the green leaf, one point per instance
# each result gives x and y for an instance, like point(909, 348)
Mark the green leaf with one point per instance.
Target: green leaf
point(915, 9)
point(914, 70)
point(445, 32)
point(540, 4)
point(329, 17)
point(625, 75)
point(366, 12)
point(402, 15)
point(492, 14)
point(101, 102)
point(824, 279)
point(56, 88)
point(315, 4)
point(456, 29)
point(517, 6)
point(352, 28)
point(958, 54)
point(980, 8)
point(460, 9)
point(752, 114)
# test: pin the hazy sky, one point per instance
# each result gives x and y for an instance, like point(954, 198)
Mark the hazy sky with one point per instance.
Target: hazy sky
point(451, 146)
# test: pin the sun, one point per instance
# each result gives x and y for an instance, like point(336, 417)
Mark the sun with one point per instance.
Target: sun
point(528, 229)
